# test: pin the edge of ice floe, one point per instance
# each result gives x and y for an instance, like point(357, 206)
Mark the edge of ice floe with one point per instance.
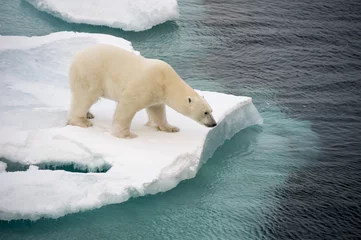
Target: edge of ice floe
point(229, 125)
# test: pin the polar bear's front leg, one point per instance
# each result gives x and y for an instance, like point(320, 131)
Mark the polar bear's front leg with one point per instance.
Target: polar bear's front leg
point(157, 115)
point(121, 122)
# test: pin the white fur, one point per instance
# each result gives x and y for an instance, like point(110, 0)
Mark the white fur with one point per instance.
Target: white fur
point(135, 83)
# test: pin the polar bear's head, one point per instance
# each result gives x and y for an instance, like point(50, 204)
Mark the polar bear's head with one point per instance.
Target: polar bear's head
point(200, 111)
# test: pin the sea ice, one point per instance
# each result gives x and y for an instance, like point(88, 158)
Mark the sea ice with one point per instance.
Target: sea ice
point(34, 99)
point(133, 15)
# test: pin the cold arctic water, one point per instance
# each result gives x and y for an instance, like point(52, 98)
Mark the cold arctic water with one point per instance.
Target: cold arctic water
point(298, 176)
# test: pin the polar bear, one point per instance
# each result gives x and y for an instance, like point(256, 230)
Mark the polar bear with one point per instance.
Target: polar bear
point(135, 83)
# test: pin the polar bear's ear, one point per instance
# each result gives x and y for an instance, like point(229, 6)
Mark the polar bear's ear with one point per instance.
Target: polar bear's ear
point(189, 100)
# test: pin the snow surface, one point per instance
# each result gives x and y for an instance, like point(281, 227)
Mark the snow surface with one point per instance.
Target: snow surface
point(34, 99)
point(132, 15)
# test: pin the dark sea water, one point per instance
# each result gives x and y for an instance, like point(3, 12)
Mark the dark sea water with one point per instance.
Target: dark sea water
point(298, 176)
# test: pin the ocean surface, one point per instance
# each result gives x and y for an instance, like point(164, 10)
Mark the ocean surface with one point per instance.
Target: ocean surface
point(298, 176)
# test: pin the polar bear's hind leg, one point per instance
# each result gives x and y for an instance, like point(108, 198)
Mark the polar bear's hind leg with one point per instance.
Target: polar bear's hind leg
point(80, 105)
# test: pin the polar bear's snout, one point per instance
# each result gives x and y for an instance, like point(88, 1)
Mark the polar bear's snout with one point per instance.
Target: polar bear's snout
point(211, 123)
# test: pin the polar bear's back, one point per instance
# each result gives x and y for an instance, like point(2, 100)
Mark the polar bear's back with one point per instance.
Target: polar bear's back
point(102, 58)
point(112, 71)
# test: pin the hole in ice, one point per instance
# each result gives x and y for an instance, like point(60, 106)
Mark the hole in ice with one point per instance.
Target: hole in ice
point(69, 167)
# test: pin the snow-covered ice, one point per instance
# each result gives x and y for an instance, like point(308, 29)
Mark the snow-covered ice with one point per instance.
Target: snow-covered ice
point(34, 100)
point(132, 15)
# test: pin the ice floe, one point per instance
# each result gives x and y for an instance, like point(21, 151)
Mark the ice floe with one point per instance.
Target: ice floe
point(34, 99)
point(134, 15)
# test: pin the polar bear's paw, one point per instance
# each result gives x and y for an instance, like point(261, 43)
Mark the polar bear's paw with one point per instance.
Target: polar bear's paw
point(168, 128)
point(89, 115)
point(128, 135)
point(150, 123)
point(132, 135)
point(80, 122)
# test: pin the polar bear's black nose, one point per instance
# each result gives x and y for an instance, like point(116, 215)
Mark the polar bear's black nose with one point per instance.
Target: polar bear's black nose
point(211, 125)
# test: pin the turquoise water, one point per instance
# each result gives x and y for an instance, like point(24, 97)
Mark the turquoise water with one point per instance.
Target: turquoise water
point(229, 197)
point(299, 61)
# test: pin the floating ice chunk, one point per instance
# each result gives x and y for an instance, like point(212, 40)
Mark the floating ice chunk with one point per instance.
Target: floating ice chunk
point(133, 15)
point(34, 102)
point(2, 167)
point(33, 168)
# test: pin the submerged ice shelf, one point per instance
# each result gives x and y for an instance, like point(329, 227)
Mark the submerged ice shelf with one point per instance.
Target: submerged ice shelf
point(129, 15)
point(34, 98)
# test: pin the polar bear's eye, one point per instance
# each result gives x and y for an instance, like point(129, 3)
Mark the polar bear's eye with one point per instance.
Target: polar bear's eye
point(205, 113)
